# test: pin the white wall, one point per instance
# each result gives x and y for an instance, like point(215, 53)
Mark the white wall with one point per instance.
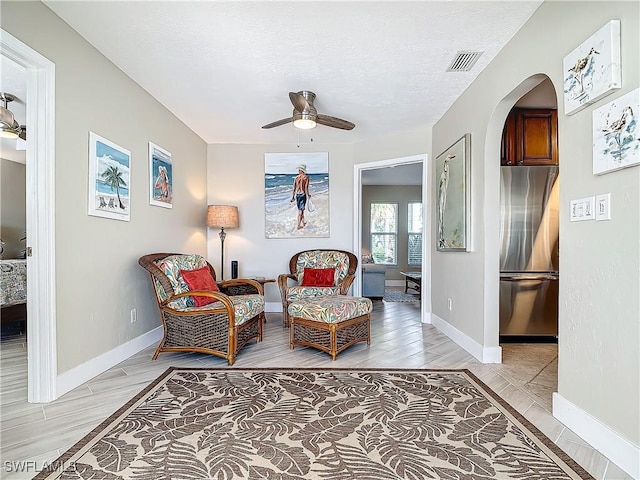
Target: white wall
point(599, 340)
point(97, 276)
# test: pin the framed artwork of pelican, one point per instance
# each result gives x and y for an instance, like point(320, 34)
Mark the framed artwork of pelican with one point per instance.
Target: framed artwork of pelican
point(452, 196)
point(616, 134)
point(592, 70)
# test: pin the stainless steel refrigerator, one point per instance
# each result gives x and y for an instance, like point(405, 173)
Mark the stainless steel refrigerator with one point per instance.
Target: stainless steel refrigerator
point(529, 253)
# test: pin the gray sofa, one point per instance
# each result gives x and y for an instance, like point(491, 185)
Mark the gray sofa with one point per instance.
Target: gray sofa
point(373, 279)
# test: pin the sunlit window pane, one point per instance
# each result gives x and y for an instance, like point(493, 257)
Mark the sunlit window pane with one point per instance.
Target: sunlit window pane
point(414, 227)
point(384, 229)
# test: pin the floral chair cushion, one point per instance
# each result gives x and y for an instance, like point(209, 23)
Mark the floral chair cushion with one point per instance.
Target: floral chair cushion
point(333, 309)
point(298, 292)
point(323, 259)
point(171, 267)
point(244, 306)
point(319, 259)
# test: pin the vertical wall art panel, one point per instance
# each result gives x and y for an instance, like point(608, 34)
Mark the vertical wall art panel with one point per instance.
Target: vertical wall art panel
point(592, 70)
point(452, 202)
point(296, 195)
point(109, 179)
point(616, 135)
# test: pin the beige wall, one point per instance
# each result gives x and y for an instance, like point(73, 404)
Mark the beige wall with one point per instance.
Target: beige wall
point(599, 340)
point(13, 214)
point(97, 276)
point(396, 145)
point(402, 195)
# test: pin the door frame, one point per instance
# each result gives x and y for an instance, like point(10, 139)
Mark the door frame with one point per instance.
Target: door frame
point(40, 213)
point(425, 293)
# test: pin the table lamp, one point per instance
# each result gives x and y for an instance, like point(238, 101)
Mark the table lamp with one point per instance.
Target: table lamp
point(223, 216)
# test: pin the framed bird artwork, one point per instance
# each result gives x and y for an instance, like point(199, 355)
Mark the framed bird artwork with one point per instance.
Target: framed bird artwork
point(592, 70)
point(616, 134)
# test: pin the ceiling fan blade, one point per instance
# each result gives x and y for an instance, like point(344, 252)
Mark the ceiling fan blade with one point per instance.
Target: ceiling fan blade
point(335, 122)
point(277, 123)
point(299, 102)
point(23, 133)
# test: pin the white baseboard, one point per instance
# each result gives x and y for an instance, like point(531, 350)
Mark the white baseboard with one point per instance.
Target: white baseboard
point(484, 354)
point(619, 450)
point(75, 377)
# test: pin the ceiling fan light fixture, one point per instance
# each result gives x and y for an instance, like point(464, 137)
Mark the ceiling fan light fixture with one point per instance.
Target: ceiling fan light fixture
point(304, 123)
point(10, 128)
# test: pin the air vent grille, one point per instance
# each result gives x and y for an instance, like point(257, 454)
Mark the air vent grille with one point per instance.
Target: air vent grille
point(464, 61)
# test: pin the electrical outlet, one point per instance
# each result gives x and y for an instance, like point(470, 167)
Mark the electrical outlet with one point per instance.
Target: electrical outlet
point(449, 304)
point(134, 315)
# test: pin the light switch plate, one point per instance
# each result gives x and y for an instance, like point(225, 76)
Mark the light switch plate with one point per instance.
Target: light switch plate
point(603, 207)
point(582, 209)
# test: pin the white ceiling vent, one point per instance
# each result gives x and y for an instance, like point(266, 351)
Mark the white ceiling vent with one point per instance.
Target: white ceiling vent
point(464, 61)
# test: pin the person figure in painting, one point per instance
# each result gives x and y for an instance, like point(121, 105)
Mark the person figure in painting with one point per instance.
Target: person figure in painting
point(301, 193)
point(162, 183)
point(442, 198)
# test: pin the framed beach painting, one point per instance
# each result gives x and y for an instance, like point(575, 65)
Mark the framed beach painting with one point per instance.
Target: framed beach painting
point(109, 179)
point(296, 195)
point(592, 70)
point(160, 177)
point(452, 197)
point(616, 135)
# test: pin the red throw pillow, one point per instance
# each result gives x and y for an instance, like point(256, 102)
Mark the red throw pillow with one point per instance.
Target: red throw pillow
point(200, 279)
point(318, 277)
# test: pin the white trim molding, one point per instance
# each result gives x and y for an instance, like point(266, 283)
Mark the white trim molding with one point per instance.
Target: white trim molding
point(75, 377)
point(40, 206)
point(482, 353)
point(617, 449)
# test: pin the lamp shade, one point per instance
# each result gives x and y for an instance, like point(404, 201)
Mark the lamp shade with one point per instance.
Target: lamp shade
point(225, 216)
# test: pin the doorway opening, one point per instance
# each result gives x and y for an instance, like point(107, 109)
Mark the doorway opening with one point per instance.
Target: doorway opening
point(527, 226)
point(367, 173)
point(40, 216)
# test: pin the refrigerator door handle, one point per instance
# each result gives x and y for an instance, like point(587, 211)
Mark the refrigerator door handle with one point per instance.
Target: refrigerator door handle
point(519, 277)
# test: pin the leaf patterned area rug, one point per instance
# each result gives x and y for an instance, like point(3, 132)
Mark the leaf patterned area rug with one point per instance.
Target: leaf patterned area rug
point(302, 424)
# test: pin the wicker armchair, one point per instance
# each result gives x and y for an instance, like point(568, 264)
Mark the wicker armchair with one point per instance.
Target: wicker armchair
point(221, 328)
point(344, 263)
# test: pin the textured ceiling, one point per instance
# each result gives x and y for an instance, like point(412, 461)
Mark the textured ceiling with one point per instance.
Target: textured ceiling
point(225, 68)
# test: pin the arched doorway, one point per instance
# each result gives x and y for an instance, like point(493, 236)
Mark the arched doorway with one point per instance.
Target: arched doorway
point(517, 289)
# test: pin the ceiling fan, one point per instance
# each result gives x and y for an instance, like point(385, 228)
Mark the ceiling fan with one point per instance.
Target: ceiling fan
point(306, 116)
point(9, 126)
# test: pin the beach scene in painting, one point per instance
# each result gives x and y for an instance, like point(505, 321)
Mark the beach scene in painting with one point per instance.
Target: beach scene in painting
point(282, 212)
point(112, 180)
point(161, 177)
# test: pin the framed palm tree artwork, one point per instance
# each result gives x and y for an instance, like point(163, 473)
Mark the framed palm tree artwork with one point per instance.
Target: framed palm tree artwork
point(109, 179)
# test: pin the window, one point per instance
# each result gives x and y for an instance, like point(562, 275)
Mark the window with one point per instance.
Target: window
point(384, 233)
point(414, 229)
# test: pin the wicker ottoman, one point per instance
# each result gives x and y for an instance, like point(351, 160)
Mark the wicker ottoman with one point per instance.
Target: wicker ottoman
point(330, 323)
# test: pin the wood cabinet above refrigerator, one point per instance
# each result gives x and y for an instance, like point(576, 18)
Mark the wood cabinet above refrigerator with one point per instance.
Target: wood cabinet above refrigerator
point(530, 137)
